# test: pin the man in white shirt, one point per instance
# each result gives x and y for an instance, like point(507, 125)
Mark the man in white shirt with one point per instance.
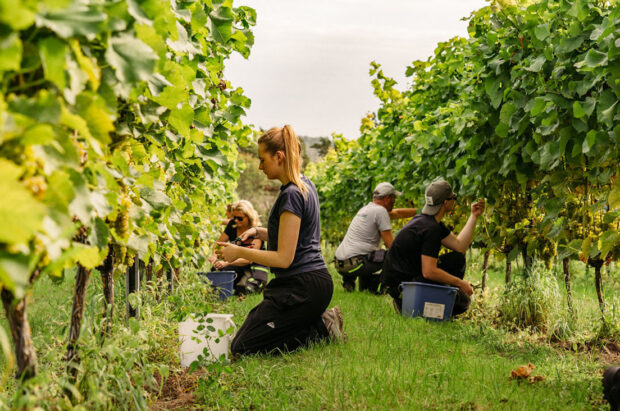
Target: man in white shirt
point(359, 253)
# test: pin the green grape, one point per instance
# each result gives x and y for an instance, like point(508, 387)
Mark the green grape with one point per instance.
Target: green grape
point(36, 185)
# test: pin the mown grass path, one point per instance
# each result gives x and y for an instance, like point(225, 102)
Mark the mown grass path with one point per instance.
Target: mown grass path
point(389, 362)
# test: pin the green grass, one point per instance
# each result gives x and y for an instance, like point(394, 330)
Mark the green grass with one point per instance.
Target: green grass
point(387, 362)
point(391, 362)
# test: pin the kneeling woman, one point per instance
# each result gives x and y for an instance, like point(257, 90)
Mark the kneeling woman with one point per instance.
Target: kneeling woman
point(293, 312)
point(250, 277)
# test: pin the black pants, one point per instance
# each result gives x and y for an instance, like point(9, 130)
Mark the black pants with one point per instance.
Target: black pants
point(452, 263)
point(289, 316)
point(368, 271)
point(250, 278)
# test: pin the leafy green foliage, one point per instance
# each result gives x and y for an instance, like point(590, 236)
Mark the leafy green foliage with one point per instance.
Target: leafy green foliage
point(115, 116)
point(521, 113)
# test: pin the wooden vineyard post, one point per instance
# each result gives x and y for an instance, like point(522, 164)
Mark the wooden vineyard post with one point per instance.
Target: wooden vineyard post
point(485, 268)
point(77, 313)
point(598, 284)
point(170, 278)
point(17, 317)
point(148, 273)
point(132, 285)
point(107, 278)
point(508, 270)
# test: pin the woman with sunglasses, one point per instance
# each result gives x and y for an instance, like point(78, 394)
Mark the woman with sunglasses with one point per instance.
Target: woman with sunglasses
point(250, 277)
point(293, 312)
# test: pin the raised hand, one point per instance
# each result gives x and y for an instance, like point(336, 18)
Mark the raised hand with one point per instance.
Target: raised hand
point(477, 208)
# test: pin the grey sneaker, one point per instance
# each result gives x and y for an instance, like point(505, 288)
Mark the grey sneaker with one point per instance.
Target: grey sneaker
point(334, 323)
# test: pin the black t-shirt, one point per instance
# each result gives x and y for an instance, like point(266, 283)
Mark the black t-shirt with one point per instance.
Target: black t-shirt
point(231, 230)
point(420, 236)
point(308, 251)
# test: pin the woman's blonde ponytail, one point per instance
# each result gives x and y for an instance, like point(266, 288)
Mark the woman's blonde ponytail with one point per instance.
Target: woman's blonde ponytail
point(284, 139)
point(293, 155)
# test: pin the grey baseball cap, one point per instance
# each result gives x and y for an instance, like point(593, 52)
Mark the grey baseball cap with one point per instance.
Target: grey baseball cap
point(385, 189)
point(436, 193)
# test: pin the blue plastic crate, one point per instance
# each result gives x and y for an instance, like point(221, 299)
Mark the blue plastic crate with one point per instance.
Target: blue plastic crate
point(431, 301)
point(221, 281)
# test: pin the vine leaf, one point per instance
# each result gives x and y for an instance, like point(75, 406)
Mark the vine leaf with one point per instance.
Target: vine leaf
point(131, 58)
point(10, 52)
point(88, 257)
point(537, 64)
point(99, 234)
point(608, 241)
point(593, 58)
point(181, 119)
point(16, 14)
point(20, 214)
point(14, 272)
point(492, 86)
point(221, 23)
point(137, 13)
point(75, 20)
point(157, 199)
point(53, 56)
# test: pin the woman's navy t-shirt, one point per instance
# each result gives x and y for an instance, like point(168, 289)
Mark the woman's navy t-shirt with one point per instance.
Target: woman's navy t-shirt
point(308, 252)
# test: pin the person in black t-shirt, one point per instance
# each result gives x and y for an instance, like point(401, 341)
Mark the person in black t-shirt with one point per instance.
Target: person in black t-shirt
point(294, 310)
point(250, 277)
point(414, 254)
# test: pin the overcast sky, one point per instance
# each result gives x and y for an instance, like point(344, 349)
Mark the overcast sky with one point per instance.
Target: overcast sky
point(310, 60)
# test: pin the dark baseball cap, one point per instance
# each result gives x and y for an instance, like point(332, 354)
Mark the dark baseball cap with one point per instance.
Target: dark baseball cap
point(436, 193)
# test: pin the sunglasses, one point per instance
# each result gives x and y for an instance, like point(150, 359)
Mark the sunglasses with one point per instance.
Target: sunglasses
point(453, 197)
point(238, 218)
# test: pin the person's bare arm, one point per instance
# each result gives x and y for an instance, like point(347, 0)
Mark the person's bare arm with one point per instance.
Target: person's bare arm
point(282, 257)
point(398, 213)
point(461, 241)
point(430, 271)
point(388, 237)
point(259, 232)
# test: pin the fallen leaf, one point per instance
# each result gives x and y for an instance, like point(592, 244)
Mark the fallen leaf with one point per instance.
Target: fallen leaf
point(522, 371)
